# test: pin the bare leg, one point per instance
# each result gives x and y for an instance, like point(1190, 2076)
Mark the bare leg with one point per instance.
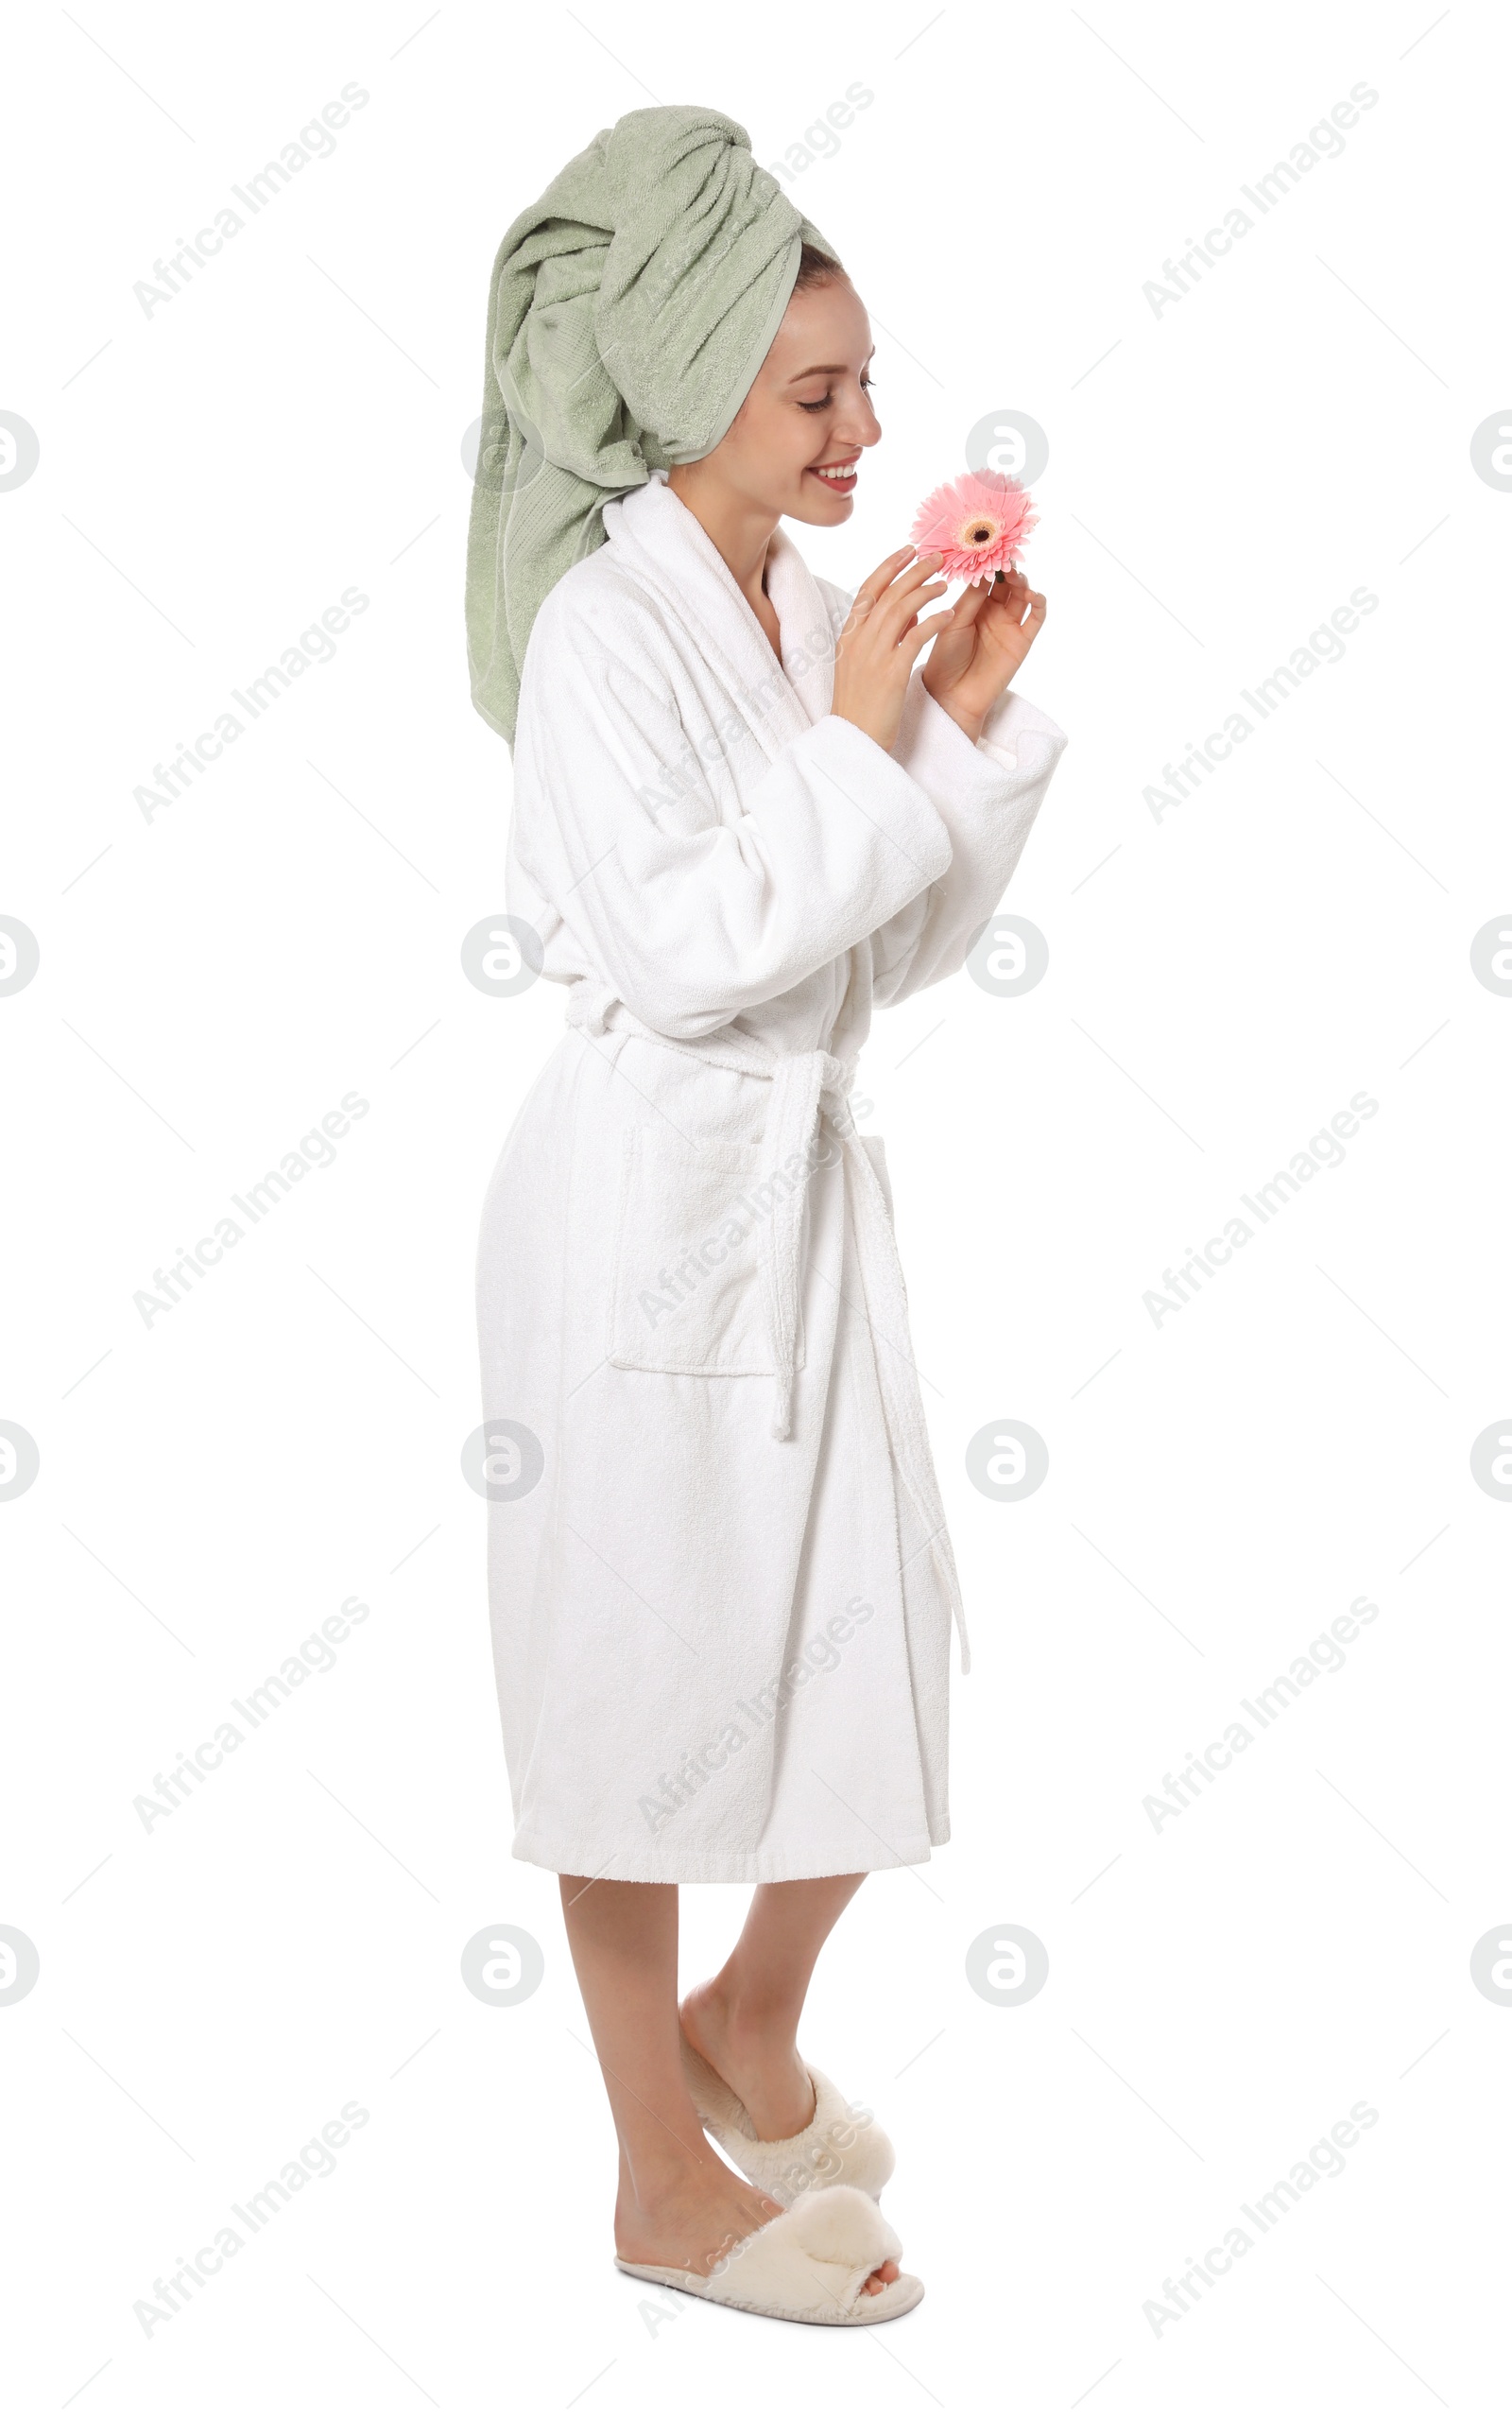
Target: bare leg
point(744, 2023)
point(678, 2203)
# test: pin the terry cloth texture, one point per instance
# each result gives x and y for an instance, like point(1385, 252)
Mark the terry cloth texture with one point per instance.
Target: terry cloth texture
point(720, 1580)
point(630, 311)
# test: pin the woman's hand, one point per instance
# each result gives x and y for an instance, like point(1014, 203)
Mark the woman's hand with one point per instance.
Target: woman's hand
point(984, 639)
point(882, 638)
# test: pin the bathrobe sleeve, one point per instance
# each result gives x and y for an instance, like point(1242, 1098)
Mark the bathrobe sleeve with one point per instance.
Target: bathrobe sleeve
point(988, 796)
point(692, 912)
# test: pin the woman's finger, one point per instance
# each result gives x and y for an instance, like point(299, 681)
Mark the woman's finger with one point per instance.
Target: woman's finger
point(924, 567)
point(895, 611)
point(915, 639)
point(1016, 606)
point(874, 583)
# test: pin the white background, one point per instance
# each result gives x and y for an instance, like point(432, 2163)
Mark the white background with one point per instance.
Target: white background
point(1221, 982)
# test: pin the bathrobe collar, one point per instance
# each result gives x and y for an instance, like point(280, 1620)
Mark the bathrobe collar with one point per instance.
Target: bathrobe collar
point(665, 546)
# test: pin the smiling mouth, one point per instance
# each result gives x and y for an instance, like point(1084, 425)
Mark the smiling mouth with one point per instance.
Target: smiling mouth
point(840, 476)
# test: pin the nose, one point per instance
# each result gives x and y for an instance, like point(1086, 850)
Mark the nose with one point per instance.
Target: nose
point(859, 424)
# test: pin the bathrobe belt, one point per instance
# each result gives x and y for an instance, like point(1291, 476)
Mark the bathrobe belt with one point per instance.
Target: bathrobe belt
point(808, 1085)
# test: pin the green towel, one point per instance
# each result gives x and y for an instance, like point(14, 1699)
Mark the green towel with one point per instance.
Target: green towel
point(630, 309)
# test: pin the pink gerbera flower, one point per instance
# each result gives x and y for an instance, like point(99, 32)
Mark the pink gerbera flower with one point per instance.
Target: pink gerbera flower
point(978, 521)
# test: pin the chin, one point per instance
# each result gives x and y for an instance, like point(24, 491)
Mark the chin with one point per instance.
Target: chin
point(820, 510)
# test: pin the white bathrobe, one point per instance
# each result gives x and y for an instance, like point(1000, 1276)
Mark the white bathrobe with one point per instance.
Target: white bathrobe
point(720, 1583)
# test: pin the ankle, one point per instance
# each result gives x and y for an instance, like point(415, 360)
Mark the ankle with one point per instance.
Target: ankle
point(660, 2179)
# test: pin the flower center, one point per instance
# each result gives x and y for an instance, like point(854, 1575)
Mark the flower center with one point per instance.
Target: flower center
point(980, 532)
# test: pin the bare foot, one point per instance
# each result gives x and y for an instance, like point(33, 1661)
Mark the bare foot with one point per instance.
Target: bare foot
point(768, 2076)
point(691, 2219)
point(696, 2219)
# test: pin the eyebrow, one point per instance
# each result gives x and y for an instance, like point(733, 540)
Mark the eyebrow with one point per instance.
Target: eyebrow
point(825, 369)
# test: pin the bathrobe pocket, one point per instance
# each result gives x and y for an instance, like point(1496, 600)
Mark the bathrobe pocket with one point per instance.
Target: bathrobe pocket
point(687, 1297)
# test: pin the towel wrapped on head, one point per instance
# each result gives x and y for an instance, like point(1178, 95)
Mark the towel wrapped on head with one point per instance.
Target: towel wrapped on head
point(630, 309)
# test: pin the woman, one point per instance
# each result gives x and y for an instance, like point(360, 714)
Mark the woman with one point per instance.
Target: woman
point(720, 1583)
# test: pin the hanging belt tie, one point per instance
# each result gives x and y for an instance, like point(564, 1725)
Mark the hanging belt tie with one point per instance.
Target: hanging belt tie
point(810, 1089)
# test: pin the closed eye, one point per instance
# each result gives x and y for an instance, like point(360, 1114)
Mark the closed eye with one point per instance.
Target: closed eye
point(824, 401)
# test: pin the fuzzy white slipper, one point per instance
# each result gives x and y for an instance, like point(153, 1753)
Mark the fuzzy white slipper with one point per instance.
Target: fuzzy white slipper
point(808, 2265)
point(836, 2146)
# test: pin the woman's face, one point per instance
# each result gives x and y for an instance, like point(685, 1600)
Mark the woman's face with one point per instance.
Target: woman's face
point(811, 405)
